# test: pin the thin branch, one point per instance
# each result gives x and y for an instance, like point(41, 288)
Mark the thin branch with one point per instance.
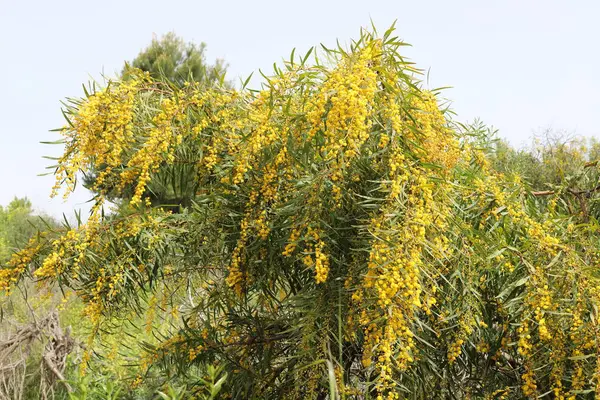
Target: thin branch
point(50, 365)
point(569, 190)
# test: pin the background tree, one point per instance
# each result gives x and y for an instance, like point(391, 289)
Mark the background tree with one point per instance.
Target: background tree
point(18, 223)
point(557, 167)
point(171, 59)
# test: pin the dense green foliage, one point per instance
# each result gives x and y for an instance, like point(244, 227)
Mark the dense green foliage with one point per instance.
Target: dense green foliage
point(172, 60)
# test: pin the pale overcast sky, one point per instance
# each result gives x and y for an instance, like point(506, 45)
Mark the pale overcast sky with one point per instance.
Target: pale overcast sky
point(519, 65)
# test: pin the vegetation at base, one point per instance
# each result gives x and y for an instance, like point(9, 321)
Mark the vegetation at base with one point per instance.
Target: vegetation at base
point(334, 235)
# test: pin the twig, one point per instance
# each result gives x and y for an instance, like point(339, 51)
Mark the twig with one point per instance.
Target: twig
point(48, 361)
point(569, 190)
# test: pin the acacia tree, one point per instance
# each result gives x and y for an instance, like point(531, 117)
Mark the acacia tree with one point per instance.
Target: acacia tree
point(345, 239)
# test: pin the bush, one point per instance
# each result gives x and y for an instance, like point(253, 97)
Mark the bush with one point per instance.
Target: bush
point(334, 235)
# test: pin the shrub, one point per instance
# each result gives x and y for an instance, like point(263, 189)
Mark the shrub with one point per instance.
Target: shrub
point(333, 235)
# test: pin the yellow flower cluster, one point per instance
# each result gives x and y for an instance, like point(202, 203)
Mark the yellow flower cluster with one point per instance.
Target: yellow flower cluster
point(315, 258)
point(264, 133)
point(17, 264)
point(524, 348)
point(556, 376)
point(236, 277)
point(437, 141)
point(290, 247)
point(159, 146)
point(54, 264)
point(346, 101)
point(524, 345)
point(396, 257)
point(455, 349)
point(529, 386)
point(500, 394)
point(100, 132)
point(540, 303)
point(104, 133)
